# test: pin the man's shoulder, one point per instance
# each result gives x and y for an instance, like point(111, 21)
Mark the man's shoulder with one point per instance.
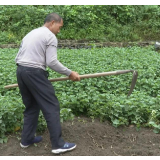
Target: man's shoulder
point(43, 34)
point(51, 38)
point(48, 34)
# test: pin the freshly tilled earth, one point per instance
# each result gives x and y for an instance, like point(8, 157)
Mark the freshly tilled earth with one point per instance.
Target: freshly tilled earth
point(93, 138)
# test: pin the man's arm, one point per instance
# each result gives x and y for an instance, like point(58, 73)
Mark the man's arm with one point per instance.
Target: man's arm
point(53, 63)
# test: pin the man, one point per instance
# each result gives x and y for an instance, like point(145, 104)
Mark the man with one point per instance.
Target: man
point(37, 51)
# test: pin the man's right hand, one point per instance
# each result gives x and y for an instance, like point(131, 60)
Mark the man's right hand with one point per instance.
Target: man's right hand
point(74, 76)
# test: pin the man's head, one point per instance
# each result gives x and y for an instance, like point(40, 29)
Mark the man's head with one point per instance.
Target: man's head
point(53, 22)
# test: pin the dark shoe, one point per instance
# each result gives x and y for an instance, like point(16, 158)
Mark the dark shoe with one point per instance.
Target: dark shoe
point(65, 148)
point(35, 140)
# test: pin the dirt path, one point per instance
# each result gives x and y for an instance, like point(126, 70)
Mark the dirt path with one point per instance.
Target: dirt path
point(92, 139)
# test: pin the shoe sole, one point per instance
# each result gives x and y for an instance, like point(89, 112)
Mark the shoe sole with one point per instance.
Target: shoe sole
point(23, 146)
point(58, 151)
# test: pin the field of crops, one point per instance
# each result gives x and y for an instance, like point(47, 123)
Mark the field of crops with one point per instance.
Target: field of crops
point(104, 97)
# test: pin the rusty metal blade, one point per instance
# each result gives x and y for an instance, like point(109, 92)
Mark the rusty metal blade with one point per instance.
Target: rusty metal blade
point(134, 79)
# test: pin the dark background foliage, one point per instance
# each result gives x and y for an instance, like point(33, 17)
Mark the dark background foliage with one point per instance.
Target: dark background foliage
point(83, 22)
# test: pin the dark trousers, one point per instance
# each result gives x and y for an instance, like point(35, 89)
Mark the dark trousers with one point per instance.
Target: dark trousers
point(38, 94)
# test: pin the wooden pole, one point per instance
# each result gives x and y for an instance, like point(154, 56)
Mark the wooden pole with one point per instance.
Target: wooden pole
point(81, 76)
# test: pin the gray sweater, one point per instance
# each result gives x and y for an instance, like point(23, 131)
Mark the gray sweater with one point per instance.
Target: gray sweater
point(39, 49)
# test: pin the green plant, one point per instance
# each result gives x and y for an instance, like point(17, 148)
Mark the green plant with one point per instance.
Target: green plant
point(104, 97)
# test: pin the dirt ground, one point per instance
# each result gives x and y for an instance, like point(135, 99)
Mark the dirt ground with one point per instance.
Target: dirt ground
point(93, 138)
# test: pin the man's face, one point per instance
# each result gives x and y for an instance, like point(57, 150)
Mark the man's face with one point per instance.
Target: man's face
point(56, 26)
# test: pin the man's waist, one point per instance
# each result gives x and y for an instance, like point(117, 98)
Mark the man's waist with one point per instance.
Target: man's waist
point(32, 65)
point(33, 69)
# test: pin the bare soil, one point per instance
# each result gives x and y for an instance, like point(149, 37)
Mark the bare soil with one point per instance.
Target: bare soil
point(93, 138)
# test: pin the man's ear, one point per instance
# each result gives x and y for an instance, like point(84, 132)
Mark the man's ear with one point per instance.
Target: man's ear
point(52, 22)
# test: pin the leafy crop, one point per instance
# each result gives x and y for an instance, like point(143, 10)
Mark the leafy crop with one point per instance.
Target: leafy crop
point(104, 97)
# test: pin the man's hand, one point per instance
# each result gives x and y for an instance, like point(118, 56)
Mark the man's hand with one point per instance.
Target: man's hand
point(74, 76)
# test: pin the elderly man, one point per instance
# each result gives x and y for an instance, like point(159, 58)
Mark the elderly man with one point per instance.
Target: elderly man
point(37, 51)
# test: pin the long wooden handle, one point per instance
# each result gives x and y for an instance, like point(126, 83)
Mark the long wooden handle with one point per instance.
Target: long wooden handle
point(81, 76)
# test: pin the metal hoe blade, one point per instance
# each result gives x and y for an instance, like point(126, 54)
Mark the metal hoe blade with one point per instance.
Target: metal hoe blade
point(134, 79)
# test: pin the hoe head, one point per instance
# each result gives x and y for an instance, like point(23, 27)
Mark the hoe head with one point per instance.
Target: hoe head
point(134, 79)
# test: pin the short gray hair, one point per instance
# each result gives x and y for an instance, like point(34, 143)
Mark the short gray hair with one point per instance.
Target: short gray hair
point(53, 16)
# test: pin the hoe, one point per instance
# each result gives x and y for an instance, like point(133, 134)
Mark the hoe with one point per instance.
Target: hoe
point(133, 83)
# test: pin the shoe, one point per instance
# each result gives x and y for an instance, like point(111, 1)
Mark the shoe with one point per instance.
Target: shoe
point(35, 140)
point(65, 148)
